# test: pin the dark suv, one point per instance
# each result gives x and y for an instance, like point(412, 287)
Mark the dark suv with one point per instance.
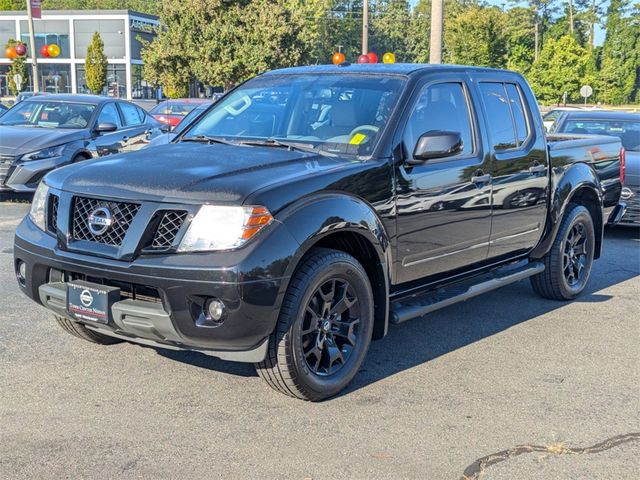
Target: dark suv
point(308, 209)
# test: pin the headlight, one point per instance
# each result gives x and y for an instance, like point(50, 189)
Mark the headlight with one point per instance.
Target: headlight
point(38, 206)
point(44, 153)
point(223, 228)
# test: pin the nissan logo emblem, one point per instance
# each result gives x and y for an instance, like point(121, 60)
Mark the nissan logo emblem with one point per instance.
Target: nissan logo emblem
point(100, 220)
point(86, 298)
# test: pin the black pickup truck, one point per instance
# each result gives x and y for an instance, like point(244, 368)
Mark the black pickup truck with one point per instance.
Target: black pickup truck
point(311, 207)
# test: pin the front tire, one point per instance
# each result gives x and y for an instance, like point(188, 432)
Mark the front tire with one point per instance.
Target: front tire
point(324, 328)
point(78, 330)
point(568, 263)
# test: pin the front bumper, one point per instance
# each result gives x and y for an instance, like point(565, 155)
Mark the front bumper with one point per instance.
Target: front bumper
point(163, 296)
point(25, 176)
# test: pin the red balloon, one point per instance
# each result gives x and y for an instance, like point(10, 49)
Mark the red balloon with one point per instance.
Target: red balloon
point(10, 52)
point(338, 58)
point(21, 49)
point(363, 59)
point(44, 51)
point(373, 58)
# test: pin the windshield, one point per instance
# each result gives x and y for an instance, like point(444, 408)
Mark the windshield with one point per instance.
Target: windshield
point(49, 115)
point(172, 108)
point(328, 113)
point(627, 131)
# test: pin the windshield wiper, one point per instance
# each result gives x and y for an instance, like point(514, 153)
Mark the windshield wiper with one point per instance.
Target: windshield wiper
point(272, 142)
point(206, 139)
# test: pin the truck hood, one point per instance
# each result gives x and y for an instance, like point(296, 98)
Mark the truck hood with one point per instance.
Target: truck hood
point(17, 141)
point(190, 173)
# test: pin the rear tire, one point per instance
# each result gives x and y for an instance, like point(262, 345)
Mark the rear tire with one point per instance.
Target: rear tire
point(78, 330)
point(324, 328)
point(568, 263)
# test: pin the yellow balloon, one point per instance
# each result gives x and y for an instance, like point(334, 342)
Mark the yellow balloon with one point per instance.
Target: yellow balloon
point(388, 58)
point(54, 50)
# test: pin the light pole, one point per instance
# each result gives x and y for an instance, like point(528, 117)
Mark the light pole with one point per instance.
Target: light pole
point(435, 53)
point(32, 40)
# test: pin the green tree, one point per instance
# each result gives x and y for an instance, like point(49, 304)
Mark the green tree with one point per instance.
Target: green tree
point(561, 67)
point(18, 67)
point(95, 65)
point(518, 23)
point(477, 36)
point(617, 81)
point(390, 20)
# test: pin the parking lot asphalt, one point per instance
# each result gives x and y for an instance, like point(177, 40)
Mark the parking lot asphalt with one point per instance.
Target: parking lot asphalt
point(505, 386)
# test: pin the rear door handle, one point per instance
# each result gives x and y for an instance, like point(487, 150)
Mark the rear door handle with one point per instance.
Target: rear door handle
point(481, 178)
point(537, 168)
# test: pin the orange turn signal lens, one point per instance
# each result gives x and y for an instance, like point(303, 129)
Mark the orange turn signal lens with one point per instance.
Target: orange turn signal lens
point(259, 218)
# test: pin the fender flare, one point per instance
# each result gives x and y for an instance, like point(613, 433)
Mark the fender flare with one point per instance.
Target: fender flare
point(572, 180)
point(319, 216)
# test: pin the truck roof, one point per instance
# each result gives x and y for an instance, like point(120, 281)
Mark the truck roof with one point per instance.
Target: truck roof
point(384, 68)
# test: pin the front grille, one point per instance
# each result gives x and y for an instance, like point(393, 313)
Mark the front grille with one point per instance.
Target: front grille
point(632, 214)
point(6, 162)
point(168, 229)
point(122, 215)
point(52, 222)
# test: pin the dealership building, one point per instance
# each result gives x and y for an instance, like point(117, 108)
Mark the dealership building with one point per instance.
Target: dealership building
point(122, 31)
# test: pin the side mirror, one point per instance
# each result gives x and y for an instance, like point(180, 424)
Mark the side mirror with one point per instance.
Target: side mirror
point(166, 128)
point(436, 144)
point(105, 127)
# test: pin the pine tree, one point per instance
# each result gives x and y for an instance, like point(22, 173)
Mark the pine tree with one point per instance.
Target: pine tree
point(96, 65)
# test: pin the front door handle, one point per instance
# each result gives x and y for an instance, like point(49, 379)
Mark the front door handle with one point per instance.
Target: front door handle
point(537, 168)
point(481, 178)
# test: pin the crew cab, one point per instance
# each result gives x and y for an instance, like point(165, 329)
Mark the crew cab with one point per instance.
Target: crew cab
point(312, 207)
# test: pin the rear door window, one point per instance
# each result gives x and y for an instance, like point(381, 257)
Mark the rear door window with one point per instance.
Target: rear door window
point(499, 120)
point(519, 115)
point(131, 114)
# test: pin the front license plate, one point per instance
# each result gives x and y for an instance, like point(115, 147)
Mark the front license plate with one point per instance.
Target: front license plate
point(91, 302)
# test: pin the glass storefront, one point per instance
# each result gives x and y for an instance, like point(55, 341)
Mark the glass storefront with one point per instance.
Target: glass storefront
point(55, 78)
point(139, 87)
point(48, 32)
point(116, 81)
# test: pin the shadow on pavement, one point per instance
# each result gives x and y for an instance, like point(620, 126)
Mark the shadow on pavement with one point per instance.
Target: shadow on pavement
point(421, 340)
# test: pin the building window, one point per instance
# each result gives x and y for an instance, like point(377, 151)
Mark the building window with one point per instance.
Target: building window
point(139, 86)
point(55, 77)
point(116, 80)
point(112, 33)
point(7, 31)
point(48, 32)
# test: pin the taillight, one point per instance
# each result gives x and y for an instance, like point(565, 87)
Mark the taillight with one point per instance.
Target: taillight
point(623, 165)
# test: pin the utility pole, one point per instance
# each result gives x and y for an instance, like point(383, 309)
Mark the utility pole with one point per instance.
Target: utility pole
point(32, 40)
point(435, 53)
point(571, 17)
point(365, 27)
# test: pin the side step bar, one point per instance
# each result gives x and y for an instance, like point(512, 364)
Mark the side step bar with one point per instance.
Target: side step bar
point(420, 304)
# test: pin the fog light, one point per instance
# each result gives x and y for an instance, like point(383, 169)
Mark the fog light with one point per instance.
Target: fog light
point(22, 272)
point(626, 193)
point(215, 309)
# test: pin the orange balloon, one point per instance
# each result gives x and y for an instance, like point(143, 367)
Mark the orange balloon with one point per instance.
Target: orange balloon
point(53, 50)
point(388, 58)
point(11, 53)
point(338, 58)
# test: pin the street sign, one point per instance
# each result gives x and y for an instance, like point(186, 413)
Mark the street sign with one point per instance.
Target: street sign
point(586, 91)
point(36, 8)
point(17, 79)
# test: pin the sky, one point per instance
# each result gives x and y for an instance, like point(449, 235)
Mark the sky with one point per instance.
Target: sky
point(600, 32)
